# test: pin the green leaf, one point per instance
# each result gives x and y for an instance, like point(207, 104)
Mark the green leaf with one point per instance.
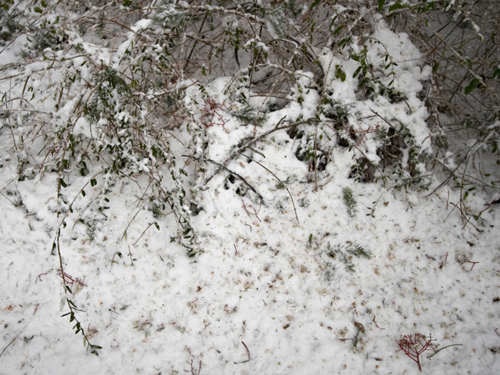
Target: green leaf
point(315, 3)
point(339, 73)
point(93, 182)
point(344, 42)
point(380, 4)
point(396, 7)
point(435, 68)
point(472, 86)
point(355, 74)
point(310, 241)
point(62, 183)
point(494, 147)
point(337, 30)
point(157, 226)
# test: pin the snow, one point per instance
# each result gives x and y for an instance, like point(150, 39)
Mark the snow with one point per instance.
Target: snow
point(258, 282)
point(267, 295)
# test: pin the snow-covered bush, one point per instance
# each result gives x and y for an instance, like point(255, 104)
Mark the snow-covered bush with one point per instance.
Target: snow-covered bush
point(458, 40)
point(178, 97)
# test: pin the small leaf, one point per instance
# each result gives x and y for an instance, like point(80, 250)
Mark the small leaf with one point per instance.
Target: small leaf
point(356, 72)
point(396, 6)
point(344, 42)
point(157, 226)
point(472, 86)
point(339, 73)
point(93, 182)
point(380, 4)
point(337, 30)
point(62, 183)
point(315, 3)
point(496, 73)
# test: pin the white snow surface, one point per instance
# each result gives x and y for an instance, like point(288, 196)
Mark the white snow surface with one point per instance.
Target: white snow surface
point(266, 295)
point(260, 283)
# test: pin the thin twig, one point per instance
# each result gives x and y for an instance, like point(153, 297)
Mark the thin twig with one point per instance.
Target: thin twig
point(249, 210)
point(142, 234)
point(465, 64)
point(248, 354)
point(255, 140)
point(9, 344)
point(248, 351)
point(227, 170)
point(281, 182)
point(437, 351)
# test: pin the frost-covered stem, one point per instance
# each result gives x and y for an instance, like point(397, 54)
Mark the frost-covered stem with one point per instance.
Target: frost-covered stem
point(72, 307)
point(253, 141)
point(282, 183)
point(221, 166)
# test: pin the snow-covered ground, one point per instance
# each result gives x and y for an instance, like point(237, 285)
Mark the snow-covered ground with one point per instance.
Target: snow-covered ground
point(263, 283)
point(271, 292)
